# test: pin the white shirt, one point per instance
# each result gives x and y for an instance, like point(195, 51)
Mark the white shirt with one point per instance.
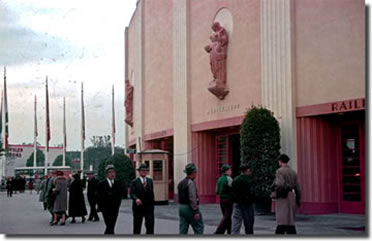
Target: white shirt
point(111, 182)
point(143, 179)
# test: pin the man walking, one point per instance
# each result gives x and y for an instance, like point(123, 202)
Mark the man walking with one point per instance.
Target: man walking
point(286, 191)
point(92, 194)
point(142, 194)
point(109, 199)
point(242, 189)
point(188, 199)
point(50, 196)
point(223, 190)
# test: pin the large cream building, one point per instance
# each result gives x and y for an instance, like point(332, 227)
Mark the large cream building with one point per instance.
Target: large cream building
point(303, 59)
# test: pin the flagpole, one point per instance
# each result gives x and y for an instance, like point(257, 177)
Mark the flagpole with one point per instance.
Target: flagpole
point(64, 132)
point(82, 130)
point(47, 127)
point(35, 134)
point(113, 121)
point(3, 158)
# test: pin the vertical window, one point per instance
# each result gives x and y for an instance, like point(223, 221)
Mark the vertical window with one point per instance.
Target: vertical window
point(158, 170)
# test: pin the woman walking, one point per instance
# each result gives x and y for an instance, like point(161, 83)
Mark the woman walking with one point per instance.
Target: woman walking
point(30, 185)
point(60, 203)
point(76, 202)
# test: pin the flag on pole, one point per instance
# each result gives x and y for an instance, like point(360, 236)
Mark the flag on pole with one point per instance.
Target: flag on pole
point(113, 121)
point(47, 115)
point(6, 112)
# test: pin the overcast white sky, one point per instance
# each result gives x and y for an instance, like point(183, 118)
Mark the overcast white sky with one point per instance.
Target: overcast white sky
point(70, 41)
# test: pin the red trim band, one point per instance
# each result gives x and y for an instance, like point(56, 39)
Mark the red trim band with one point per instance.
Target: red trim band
point(332, 107)
point(215, 124)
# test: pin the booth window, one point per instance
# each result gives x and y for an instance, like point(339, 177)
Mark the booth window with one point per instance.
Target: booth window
point(158, 170)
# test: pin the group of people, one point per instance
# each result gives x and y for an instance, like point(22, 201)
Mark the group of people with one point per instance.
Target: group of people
point(60, 194)
point(237, 197)
point(14, 184)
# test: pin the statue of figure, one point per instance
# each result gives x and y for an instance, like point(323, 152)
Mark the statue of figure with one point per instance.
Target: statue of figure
point(217, 55)
point(129, 103)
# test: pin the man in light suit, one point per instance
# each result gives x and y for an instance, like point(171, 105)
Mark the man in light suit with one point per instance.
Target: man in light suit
point(142, 194)
point(109, 199)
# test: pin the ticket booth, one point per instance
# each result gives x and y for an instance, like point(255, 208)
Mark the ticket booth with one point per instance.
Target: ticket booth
point(157, 161)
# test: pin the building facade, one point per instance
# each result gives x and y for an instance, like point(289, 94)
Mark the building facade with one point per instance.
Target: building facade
point(18, 155)
point(188, 87)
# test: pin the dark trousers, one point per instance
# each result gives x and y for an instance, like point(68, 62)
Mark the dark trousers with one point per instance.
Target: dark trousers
point(226, 206)
point(147, 212)
point(285, 229)
point(9, 192)
point(110, 215)
point(45, 205)
point(243, 212)
point(93, 210)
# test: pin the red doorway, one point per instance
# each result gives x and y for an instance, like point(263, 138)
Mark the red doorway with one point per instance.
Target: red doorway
point(351, 159)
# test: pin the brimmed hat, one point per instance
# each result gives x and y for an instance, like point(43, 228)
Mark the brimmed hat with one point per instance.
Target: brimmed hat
point(59, 173)
point(190, 168)
point(284, 158)
point(109, 167)
point(225, 167)
point(143, 167)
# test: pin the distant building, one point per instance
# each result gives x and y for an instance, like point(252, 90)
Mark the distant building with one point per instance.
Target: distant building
point(18, 155)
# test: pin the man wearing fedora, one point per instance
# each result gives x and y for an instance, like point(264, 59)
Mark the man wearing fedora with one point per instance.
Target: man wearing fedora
point(223, 190)
point(142, 194)
point(188, 199)
point(286, 191)
point(109, 199)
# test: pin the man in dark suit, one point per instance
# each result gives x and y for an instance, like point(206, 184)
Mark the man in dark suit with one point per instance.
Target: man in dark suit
point(92, 194)
point(142, 194)
point(109, 199)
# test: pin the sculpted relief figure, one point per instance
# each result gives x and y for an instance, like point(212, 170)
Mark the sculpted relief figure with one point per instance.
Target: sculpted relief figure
point(129, 103)
point(217, 55)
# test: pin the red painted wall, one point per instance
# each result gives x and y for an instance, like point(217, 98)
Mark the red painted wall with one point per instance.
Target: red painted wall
point(203, 155)
point(317, 165)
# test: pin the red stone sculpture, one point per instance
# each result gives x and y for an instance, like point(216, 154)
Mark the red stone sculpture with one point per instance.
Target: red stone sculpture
point(129, 103)
point(218, 54)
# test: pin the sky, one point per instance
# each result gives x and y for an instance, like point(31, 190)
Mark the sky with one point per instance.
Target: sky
point(71, 42)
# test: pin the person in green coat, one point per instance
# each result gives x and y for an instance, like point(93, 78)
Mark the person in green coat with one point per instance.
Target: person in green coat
point(223, 189)
point(188, 199)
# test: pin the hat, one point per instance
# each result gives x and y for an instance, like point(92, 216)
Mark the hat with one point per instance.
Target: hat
point(284, 158)
point(225, 167)
point(190, 168)
point(244, 167)
point(90, 172)
point(109, 167)
point(143, 167)
point(59, 173)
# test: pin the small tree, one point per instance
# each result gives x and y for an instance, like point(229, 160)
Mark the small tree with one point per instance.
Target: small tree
point(40, 159)
point(259, 147)
point(59, 159)
point(125, 172)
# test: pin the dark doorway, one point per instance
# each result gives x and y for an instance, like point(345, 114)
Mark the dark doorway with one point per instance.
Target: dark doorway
point(234, 141)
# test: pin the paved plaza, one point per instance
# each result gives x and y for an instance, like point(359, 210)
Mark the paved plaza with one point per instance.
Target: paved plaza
point(24, 215)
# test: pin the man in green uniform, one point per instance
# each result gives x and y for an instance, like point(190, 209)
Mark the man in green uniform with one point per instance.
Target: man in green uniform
point(223, 190)
point(188, 203)
point(242, 189)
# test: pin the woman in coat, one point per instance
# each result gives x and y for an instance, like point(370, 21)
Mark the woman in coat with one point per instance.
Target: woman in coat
point(76, 202)
point(60, 203)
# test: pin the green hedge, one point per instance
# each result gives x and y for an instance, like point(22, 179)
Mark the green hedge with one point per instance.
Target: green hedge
point(260, 146)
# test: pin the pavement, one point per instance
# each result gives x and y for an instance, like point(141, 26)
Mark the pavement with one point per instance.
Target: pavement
point(24, 215)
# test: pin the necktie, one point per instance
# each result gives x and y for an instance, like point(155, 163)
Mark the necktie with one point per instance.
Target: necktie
point(144, 182)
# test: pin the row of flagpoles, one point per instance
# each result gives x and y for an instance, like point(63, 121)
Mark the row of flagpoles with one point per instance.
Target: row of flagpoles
point(4, 104)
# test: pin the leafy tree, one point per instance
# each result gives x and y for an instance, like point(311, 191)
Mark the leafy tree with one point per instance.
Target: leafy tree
point(259, 147)
point(59, 159)
point(125, 172)
point(40, 159)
